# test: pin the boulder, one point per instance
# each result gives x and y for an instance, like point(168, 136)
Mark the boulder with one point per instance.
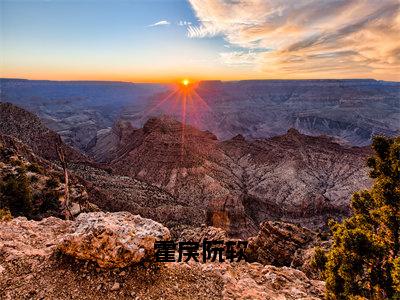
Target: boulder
point(113, 239)
point(277, 243)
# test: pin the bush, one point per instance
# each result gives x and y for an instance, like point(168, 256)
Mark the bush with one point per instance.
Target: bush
point(35, 168)
point(363, 262)
point(318, 261)
point(34, 179)
point(16, 195)
point(50, 202)
point(52, 183)
point(5, 214)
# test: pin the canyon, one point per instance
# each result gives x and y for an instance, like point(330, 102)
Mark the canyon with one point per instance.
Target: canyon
point(270, 162)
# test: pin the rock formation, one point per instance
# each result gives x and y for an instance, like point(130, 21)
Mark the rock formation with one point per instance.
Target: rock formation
point(277, 243)
point(28, 128)
point(76, 110)
point(204, 232)
point(113, 239)
point(239, 183)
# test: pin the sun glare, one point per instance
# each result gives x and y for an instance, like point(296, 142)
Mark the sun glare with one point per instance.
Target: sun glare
point(184, 103)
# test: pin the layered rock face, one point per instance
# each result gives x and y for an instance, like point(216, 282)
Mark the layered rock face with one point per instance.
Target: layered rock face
point(113, 239)
point(30, 268)
point(28, 128)
point(349, 110)
point(112, 192)
point(182, 176)
point(183, 161)
point(237, 184)
point(298, 178)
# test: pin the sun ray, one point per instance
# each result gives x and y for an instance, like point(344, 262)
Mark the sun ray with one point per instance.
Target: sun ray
point(183, 124)
point(193, 113)
point(202, 101)
point(158, 104)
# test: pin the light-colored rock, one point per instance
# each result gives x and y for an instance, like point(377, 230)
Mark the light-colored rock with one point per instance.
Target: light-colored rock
point(113, 239)
point(21, 238)
point(116, 286)
point(257, 282)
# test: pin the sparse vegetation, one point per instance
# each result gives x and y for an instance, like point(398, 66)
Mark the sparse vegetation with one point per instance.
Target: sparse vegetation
point(22, 192)
point(50, 202)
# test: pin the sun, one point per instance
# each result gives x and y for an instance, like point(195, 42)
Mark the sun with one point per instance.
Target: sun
point(185, 82)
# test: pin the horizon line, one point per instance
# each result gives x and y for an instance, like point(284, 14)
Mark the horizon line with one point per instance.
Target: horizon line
point(205, 80)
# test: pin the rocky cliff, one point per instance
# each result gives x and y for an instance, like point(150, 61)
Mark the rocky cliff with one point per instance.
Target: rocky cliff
point(237, 184)
point(28, 128)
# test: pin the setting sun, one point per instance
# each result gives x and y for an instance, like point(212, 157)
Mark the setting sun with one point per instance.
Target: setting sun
point(185, 82)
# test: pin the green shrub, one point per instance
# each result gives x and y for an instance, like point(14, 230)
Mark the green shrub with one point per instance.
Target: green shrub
point(35, 168)
point(16, 195)
point(363, 262)
point(318, 261)
point(50, 202)
point(5, 214)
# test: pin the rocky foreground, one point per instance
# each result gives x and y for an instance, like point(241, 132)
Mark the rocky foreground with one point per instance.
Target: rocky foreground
point(110, 256)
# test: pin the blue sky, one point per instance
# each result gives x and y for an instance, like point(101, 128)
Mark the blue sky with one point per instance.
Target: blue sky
point(102, 39)
point(200, 39)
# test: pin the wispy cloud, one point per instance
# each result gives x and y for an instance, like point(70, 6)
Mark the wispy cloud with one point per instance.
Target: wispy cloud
point(240, 58)
point(312, 38)
point(201, 31)
point(160, 23)
point(184, 23)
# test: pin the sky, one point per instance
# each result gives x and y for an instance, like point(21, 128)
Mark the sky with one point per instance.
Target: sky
point(165, 41)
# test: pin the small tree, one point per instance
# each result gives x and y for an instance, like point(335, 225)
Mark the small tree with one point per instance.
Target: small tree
point(64, 165)
point(363, 262)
